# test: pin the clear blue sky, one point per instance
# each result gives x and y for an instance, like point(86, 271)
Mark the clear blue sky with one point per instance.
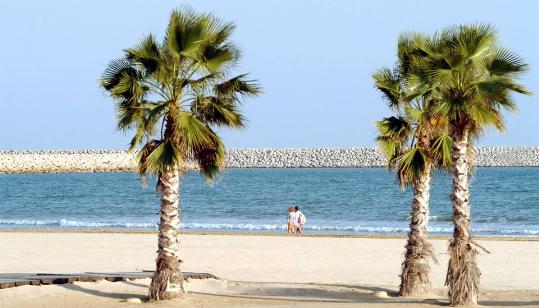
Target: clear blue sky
point(313, 58)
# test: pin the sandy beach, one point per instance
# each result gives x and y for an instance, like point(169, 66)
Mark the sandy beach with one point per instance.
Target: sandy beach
point(256, 271)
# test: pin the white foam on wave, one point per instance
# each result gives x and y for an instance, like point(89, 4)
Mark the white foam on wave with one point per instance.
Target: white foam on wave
point(66, 223)
point(77, 224)
point(229, 226)
point(442, 218)
point(25, 222)
point(73, 223)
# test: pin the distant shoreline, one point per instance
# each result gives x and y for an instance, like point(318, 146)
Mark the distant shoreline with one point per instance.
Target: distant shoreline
point(73, 161)
point(267, 234)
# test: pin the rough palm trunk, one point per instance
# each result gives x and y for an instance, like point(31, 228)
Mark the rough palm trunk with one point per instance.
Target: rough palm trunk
point(415, 267)
point(462, 272)
point(167, 282)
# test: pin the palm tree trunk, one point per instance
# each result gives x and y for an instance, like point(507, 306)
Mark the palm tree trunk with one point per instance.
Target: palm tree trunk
point(415, 267)
point(167, 282)
point(462, 272)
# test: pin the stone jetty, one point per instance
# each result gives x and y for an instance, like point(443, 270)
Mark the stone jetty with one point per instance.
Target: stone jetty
point(117, 160)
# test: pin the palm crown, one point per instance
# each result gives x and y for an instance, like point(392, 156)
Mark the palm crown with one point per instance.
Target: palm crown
point(471, 77)
point(412, 140)
point(173, 94)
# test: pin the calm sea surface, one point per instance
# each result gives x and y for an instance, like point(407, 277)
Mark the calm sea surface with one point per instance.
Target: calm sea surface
point(505, 201)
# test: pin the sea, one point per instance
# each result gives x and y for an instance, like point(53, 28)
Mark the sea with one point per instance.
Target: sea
point(505, 201)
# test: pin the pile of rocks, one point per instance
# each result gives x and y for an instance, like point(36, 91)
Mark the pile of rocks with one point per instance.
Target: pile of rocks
point(66, 161)
point(507, 157)
point(305, 158)
point(113, 161)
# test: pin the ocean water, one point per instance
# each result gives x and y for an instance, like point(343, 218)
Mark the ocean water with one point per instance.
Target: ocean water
point(505, 201)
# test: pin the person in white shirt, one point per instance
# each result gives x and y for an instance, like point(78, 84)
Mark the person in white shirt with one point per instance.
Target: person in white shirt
point(299, 220)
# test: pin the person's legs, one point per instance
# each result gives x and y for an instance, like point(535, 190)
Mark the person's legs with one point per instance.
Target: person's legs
point(300, 229)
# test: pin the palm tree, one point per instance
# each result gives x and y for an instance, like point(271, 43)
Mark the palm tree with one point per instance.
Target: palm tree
point(173, 94)
point(472, 79)
point(429, 147)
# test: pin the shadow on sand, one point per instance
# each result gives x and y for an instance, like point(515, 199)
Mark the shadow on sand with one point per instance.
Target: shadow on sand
point(493, 303)
point(313, 293)
point(113, 295)
point(307, 293)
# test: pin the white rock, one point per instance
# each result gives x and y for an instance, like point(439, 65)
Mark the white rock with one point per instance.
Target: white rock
point(134, 300)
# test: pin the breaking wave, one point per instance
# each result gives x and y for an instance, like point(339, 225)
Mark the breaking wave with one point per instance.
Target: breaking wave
point(74, 224)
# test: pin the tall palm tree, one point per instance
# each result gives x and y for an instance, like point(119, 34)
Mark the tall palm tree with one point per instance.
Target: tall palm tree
point(472, 79)
point(173, 94)
point(429, 147)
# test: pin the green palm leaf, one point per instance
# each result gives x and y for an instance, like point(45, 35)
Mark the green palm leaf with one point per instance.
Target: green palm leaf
point(441, 150)
point(393, 133)
point(210, 158)
point(215, 58)
point(164, 156)
point(114, 72)
point(172, 93)
point(218, 111)
point(146, 54)
point(410, 165)
point(397, 128)
point(186, 32)
point(238, 85)
point(389, 84)
point(504, 62)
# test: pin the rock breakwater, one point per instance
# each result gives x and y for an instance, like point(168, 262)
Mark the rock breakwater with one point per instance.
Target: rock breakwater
point(114, 161)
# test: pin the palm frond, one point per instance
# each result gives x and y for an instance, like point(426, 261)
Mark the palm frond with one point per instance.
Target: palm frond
point(137, 139)
point(199, 141)
point(393, 134)
point(417, 114)
point(163, 157)
point(114, 72)
point(144, 153)
point(237, 86)
point(127, 115)
point(391, 148)
point(410, 46)
point(147, 54)
point(218, 111)
point(410, 165)
point(202, 83)
point(129, 87)
point(389, 84)
point(210, 158)
point(504, 62)
point(446, 109)
point(476, 41)
point(186, 32)
point(497, 86)
point(484, 115)
point(440, 150)
point(220, 32)
point(193, 132)
point(394, 127)
point(219, 57)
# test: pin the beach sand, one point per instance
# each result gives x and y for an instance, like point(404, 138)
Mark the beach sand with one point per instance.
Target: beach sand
point(256, 271)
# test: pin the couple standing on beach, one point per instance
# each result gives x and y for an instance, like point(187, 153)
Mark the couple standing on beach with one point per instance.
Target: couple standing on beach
point(296, 220)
